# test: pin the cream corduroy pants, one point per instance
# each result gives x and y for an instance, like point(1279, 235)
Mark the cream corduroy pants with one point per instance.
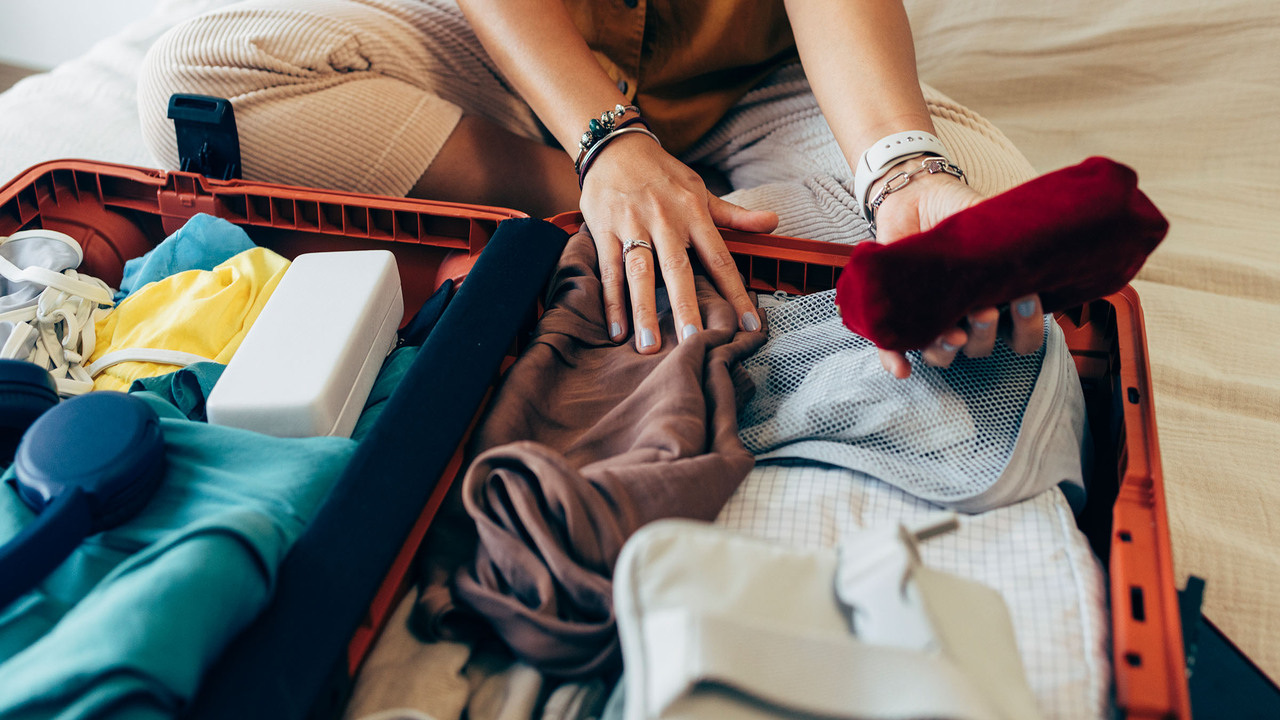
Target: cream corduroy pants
point(360, 95)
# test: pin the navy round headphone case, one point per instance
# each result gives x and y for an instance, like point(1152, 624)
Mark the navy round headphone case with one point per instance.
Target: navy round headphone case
point(26, 392)
point(87, 465)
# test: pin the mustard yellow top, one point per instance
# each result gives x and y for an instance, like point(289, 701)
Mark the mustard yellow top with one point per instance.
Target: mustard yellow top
point(685, 63)
point(203, 312)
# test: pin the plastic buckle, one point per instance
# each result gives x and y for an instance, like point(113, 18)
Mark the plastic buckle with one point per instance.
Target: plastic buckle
point(1190, 600)
point(207, 139)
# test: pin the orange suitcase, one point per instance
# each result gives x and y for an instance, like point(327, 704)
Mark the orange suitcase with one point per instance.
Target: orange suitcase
point(118, 212)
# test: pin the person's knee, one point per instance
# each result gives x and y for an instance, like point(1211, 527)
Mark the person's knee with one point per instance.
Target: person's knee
point(271, 51)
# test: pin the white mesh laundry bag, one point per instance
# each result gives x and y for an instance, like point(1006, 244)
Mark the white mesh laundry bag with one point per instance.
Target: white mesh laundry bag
point(982, 433)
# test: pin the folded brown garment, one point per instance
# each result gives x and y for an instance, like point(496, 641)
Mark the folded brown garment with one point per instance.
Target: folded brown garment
point(586, 441)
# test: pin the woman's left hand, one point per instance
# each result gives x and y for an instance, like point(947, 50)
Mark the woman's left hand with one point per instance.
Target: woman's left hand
point(919, 206)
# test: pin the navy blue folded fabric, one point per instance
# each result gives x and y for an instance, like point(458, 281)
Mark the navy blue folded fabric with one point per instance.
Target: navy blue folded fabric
point(415, 332)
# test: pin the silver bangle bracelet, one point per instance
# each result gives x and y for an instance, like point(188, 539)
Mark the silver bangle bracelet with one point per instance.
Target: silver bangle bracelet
point(595, 149)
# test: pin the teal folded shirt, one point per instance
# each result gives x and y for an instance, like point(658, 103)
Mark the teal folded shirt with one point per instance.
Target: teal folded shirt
point(394, 368)
point(186, 389)
point(128, 624)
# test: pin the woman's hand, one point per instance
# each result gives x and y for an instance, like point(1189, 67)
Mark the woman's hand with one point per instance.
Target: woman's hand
point(635, 190)
point(923, 203)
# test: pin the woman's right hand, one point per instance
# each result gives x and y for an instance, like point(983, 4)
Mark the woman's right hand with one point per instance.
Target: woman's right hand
point(635, 190)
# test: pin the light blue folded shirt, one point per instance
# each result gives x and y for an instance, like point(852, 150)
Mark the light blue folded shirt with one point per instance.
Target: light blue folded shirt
point(129, 623)
point(202, 243)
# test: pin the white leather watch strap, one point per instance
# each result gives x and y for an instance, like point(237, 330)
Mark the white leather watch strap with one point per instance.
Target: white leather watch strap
point(887, 152)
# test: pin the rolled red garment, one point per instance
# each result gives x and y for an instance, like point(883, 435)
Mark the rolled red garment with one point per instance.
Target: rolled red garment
point(1072, 235)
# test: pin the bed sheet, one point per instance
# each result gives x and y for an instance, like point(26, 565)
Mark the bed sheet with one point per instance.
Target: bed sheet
point(1184, 91)
point(1187, 93)
point(87, 107)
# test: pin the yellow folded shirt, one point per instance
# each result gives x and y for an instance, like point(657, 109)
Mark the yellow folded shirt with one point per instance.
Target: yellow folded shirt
point(203, 312)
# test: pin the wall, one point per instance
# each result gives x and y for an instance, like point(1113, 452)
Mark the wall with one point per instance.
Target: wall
point(40, 34)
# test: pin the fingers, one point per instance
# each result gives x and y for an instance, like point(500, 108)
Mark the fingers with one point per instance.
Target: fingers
point(983, 326)
point(719, 262)
point(939, 354)
point(723, 271)
point(612, 281)
point(640, 279)
point(726, 214)
point(896, 363)
point(1025, 336)
point(943, 350)
point(672, 254)
point(633, 273)
point(635, 270)
point(1027, 331)
point(978, 338)
point(677, 274)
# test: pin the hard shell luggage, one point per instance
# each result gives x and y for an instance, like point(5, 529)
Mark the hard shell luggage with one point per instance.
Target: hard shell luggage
point(338, 586)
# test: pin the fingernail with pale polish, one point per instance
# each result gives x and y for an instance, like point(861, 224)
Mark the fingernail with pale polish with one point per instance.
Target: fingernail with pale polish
point(981, 325)
point(615, 330)
point(949, 347)
point(1026, 308)
point(688, 331)
point(750, 322)
point(646, 338)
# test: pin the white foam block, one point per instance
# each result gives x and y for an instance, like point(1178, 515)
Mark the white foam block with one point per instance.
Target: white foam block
point(307, 365)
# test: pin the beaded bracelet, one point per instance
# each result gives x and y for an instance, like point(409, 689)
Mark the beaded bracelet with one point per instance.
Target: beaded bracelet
point(595, 149)
point(598, 129)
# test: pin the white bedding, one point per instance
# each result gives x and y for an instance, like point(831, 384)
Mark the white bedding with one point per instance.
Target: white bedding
point(87, 107)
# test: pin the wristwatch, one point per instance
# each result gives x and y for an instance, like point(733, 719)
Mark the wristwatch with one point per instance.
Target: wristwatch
point(884, 154)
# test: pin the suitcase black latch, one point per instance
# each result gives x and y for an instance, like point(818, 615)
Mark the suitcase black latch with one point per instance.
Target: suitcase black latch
point(207, 139)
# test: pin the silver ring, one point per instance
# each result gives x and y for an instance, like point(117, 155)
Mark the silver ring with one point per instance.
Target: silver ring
point(629, 245)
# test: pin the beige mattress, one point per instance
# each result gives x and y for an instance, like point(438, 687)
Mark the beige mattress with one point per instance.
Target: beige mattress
point(1187, 92)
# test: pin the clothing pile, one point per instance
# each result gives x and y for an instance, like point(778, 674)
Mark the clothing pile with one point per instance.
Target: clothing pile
point(130, 622)
point(794, 436)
